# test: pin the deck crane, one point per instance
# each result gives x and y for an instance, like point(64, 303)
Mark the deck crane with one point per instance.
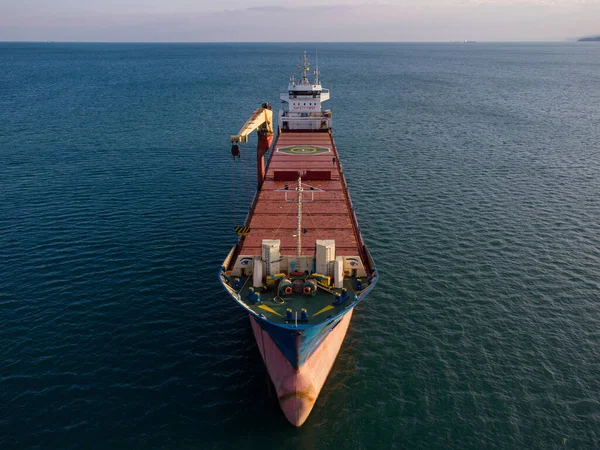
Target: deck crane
point(261, 120)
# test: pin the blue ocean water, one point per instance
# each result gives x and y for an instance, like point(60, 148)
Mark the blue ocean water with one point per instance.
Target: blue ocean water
point(474, 174)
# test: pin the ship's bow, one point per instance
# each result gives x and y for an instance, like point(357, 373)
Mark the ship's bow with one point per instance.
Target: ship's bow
point(298, 388)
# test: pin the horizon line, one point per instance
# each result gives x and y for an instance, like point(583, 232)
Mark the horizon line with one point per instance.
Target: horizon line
point(460, 41)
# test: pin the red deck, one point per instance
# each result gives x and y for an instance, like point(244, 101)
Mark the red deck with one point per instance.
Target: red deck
point(327, 217)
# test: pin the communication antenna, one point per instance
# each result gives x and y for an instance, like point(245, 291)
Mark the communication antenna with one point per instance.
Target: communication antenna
point(317, 69)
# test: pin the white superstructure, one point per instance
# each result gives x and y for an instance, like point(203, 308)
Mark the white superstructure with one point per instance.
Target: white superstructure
point(301, 104)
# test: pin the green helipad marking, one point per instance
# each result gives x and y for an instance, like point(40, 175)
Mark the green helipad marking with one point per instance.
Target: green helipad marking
point(303, 150)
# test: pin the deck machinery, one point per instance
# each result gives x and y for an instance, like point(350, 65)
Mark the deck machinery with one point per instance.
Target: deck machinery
point(300, 265)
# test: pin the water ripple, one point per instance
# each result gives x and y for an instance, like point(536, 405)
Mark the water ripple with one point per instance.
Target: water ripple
point(476, 189)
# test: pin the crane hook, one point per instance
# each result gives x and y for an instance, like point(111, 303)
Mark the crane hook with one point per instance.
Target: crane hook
point(235, 151)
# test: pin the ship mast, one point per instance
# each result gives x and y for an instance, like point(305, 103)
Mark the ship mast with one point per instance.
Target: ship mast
point(305, 70)
point(299, 232)
point(299, 199)
point(317, 69)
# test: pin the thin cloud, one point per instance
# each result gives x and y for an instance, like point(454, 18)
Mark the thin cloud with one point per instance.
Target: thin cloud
point(404, 20)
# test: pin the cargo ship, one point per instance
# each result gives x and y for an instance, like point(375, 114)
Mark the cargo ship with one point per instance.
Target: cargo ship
point(300, 265)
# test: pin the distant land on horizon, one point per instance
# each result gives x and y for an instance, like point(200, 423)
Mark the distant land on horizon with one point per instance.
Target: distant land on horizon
point(589, 39)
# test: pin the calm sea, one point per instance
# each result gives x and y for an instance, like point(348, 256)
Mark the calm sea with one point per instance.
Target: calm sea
point(474, 171)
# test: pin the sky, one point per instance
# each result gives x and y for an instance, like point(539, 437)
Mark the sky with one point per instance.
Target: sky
point(302, 21)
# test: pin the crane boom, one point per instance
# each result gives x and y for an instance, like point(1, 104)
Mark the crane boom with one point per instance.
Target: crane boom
point(261, 118)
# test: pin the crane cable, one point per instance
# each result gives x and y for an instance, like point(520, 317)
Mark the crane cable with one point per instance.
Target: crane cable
point(247, 187)
point(233, 189)
point(246, 182)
